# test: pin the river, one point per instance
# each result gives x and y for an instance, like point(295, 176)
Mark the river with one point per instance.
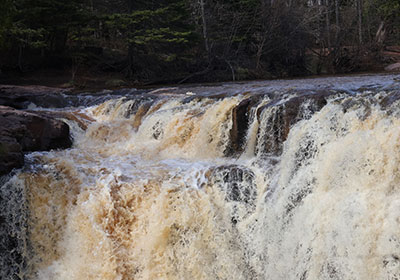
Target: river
point(290, 179)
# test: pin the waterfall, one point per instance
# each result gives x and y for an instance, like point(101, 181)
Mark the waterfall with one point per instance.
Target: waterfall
point(268, 184)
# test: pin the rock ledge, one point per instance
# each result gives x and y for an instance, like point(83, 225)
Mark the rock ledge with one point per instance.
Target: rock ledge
point(22, 131)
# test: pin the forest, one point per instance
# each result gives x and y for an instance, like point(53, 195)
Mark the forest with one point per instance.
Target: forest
point(144, 42)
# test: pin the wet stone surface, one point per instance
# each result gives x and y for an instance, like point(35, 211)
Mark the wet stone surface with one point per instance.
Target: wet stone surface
point(26, 132)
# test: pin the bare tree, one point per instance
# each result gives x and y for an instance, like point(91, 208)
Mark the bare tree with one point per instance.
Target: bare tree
point(204, 27)
point(328, 24)
point(359, 16)
point(337, 22)
point(381, 33)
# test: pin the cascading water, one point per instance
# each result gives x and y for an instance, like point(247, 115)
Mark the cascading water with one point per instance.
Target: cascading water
point(276, 184)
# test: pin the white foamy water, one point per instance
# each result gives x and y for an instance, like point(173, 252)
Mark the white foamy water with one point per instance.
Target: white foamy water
point(152, 190)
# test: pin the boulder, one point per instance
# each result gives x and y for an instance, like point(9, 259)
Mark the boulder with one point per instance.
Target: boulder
point(26, 132)
point(20, 97)
point(11, 155)
point(81, 119)
point(393, 67)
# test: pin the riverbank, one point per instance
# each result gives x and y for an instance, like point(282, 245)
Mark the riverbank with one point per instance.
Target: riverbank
point(92, 79)
point(97, 83)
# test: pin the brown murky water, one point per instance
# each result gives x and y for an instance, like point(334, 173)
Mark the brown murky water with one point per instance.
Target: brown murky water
point(153, 189)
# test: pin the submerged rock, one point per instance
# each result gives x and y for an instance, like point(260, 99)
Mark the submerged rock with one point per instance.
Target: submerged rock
point(237, 182)
point(390, 99)
point(26, 132)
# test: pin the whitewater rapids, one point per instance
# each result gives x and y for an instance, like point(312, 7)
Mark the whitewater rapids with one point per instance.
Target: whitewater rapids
point(173, 186)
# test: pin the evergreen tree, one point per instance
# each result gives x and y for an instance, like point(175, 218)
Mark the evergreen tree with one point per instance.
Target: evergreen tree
point(7, 10)
point(53, 19)
point(154, 34)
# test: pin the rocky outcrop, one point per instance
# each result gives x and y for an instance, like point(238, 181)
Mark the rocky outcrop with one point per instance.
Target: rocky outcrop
point(393, 67)
point(20, 97)
point(282, 115)
point(22, 131)
point(81, 119)
point(240, 124)
point(275, 118)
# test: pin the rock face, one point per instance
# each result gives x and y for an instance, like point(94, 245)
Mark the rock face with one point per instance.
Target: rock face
point(25, 132)
point(275, 119)
point(240, 124)
point(282, 116)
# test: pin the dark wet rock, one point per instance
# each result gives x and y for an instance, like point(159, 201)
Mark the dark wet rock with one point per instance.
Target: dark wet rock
point(10, 154)
point(158, 131)
point(237, 184)
point(298, 195)
point(11, 257)
point(282, 115)
point(13, 241)
point(140, 103)
point(208, 95)
point(236, 181)
point(20, 97)
point(196, 98)
point(355, 103)
point(390, 99)
point(240, 124)
point(140, 113)
point(25, 132)
point(81, 119)
point(132, 104)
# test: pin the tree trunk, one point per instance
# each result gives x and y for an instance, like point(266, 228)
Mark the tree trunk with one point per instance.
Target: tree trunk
point(59, 40)
point(260, 48)
point(337, 22)
point(204, 21)
point(20, 55)
point(131, 49)
point(328, 25)
point(359, 15)
point(131, 61)
point(381, 33)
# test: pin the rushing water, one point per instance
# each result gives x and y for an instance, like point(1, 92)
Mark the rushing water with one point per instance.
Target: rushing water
point(289, 180)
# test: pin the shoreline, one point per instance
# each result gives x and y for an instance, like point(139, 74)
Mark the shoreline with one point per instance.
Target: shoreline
point(98, 83)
